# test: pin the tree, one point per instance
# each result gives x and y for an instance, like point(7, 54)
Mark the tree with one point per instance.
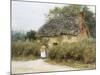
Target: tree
point(90, 21)
point(65, 11)
point(31, 35)
point(17, 36)
point(57, 14)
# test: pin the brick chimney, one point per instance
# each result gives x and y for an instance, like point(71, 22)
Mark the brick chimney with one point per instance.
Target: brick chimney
point(84, 31)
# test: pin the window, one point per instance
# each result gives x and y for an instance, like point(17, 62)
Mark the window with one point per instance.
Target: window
point(55, 43)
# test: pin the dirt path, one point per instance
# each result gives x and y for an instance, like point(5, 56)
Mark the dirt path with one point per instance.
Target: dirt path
point(36, 66)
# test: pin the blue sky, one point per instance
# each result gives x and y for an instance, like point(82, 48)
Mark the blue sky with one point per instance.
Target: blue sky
point(31, 16)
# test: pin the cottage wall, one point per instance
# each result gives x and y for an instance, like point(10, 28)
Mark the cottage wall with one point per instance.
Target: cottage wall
point(61, 39)
point(69, 38)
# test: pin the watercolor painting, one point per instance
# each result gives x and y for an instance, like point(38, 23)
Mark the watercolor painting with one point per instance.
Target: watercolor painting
point(52, 37)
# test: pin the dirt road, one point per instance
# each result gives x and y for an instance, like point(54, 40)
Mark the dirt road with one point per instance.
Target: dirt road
point(38, 65)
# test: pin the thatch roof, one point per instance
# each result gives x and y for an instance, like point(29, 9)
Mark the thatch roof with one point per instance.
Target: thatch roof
point(59, 26)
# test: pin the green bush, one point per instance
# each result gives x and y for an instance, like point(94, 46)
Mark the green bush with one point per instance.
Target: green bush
point(89, 51)
point(80, 51)
point(89, 54)
point(20, 48)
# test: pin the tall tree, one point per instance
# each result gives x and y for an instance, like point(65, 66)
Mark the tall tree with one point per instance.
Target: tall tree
point(90, 21)
point(73, 11)
point(31, 35)
point(58, 12)
point(17, 36)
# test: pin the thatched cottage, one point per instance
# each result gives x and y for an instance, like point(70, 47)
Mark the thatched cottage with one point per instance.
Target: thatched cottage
point(68, 29)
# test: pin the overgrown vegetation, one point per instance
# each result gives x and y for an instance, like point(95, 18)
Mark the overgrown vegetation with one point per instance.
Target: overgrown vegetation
point(25, 49)
point(19, 35)
point(16, 35)
point(30, 35)
point(83, 51)
point(73, 63)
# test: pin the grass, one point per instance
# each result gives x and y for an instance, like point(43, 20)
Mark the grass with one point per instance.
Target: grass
point(27, 58)
point(25, 50)
point(72, 63)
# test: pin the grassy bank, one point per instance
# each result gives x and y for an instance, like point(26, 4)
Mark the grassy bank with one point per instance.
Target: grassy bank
point(72, 63)
point(24, 58)
point(25, 50)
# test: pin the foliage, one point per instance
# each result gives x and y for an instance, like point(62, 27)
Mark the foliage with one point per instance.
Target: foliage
point(73, 63)
point(71, 10)
point(17, 36)
point(31, 35)
point(63, 21)
point(90, 20)
point(25, 49)
point(80, 51)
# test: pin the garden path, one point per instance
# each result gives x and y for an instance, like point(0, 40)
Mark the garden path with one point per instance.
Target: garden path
point(38, 65)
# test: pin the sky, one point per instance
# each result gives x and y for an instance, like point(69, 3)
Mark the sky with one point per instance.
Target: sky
point(28, 16)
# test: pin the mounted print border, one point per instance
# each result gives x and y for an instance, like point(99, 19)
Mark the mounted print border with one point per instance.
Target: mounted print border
point(52, 37)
